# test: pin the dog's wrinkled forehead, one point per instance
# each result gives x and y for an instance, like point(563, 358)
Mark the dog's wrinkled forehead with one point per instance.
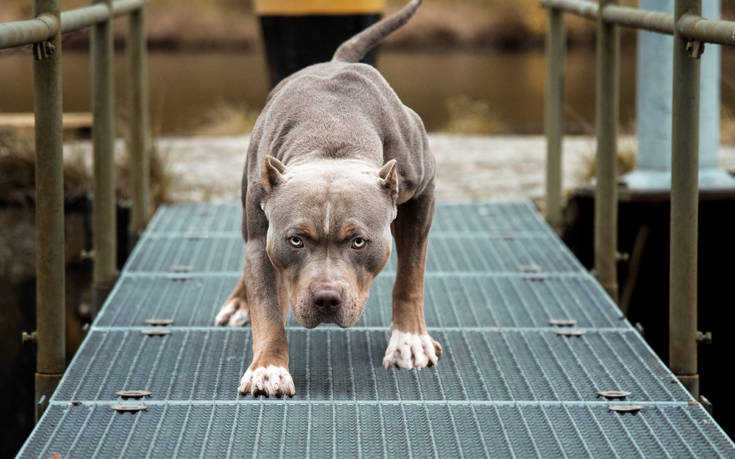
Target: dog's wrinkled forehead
point(327, 196)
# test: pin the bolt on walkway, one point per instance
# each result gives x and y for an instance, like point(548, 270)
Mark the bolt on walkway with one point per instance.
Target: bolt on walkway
point(511, 382)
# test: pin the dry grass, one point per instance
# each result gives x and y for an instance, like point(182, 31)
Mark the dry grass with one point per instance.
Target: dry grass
point(727, 127)
point(468, 116)
point(18, 169)
point(161, 177)
point(727, 133)
point(226, 119)
point(626, 163)
point(482, 23)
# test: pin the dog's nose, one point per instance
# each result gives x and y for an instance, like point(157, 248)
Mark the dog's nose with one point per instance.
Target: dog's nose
point(327, 299)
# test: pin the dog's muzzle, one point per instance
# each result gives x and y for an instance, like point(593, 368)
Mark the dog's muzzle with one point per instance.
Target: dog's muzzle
point(327, 298)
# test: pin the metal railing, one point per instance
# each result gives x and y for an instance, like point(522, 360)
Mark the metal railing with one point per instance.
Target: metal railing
point(44, 33)
point(690, 32)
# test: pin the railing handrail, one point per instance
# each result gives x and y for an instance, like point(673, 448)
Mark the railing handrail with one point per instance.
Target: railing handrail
point(45, 26)
point(44, 33)
point(690, 26)
point(690, 31)
point(29, 31)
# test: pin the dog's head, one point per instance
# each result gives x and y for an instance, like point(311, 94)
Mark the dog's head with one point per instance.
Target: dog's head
point(328, 234)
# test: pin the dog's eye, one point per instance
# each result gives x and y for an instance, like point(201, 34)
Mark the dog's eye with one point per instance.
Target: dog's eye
point(358, 243)
point(296, 242)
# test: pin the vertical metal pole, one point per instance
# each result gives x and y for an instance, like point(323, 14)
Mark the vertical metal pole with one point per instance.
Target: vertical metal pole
point(606, 197)
point(103, 138)
point(684, 202)
point(653, 108)
point(50, 310)
point(139, 141)
point(554, 115)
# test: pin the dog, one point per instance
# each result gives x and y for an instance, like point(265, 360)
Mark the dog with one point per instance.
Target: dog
point(335, 166)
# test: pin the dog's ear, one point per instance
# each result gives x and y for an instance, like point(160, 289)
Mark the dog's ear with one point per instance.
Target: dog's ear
point(389, 178)
point(273, 171)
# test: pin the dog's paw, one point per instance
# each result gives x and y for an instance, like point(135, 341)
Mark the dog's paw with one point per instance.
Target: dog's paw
point(271, 381)
point(234, 314)
point(407, 350)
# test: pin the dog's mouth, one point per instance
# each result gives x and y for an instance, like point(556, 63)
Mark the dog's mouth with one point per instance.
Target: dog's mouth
point(344, 317)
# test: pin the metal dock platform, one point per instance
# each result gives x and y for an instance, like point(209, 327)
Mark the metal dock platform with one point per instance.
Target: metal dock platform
point(508, 383)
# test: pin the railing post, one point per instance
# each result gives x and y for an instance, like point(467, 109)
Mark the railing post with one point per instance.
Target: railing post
point(103, 138)
point(554, 115)
point(50, 307)
point(139, 140)
point(684, 202)
point(606, 198)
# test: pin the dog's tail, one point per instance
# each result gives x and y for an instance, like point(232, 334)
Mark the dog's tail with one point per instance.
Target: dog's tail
point(354, 49)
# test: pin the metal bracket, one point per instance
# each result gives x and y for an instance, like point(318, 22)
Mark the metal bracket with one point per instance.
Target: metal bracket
point(706, 403)
point(125, 394)
point(704, 338)
point(613, 394)
point(535, 277)
point(569, 332)
point(31, 337)
point(622, 409)
point(530, 269)
point(159, 322)
point(155, 331)
point(695, 48)
point(43, 50)
point(129, 408)
point(562, 322)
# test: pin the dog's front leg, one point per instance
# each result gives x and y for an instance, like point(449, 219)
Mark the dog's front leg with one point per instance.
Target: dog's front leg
point(410, 345)
point(268, 373)
point(235, 310)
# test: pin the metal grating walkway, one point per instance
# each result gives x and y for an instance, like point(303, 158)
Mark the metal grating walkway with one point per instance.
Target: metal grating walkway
point(507, 384)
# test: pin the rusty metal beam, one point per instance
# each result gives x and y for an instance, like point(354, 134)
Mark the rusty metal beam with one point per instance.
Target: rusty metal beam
point(103, 137)
point(554, 116)
point(606, 193)
point(50, 265)
point(684, 205)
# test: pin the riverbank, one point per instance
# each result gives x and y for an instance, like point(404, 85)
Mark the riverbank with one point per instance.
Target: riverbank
point(439, 24)
point(469, 167)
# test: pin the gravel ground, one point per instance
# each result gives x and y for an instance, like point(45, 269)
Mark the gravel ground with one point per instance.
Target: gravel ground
point(497, 168)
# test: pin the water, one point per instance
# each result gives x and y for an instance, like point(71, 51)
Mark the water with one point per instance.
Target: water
point(185, 86)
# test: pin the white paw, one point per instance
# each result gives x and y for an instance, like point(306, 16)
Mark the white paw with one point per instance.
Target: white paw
point(231, 315)
point(239, 318)
point(224, 314)
point(271, 381)
point(406, 350)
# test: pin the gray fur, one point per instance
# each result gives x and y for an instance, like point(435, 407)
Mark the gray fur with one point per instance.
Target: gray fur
point(347, 118)
point(354, 49)
point(336, 163)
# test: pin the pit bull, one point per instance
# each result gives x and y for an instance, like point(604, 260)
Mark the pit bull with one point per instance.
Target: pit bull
point(335, 166)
